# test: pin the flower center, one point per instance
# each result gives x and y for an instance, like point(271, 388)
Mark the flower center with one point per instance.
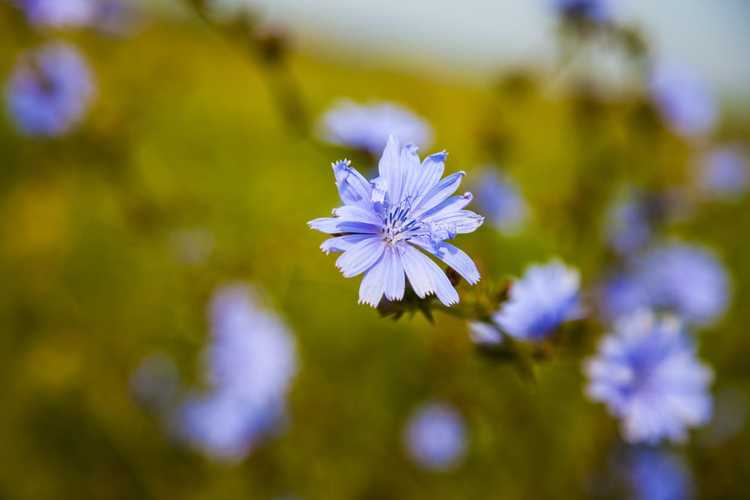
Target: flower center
point(398, 224)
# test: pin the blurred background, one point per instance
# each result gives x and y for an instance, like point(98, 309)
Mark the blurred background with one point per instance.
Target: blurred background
point(160, 156)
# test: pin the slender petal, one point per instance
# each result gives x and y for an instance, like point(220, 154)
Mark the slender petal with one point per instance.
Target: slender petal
point(373, 284)
point(360, 257)
point(394, 275)
point(342, 243)
point(426, 277)
point(353, 188)
point(333, 225)
point(390, 168)
point(432, 170)
point(354, 213)
point(452, 256)
point(439, 193)
point(459, 222)
point(449, 206)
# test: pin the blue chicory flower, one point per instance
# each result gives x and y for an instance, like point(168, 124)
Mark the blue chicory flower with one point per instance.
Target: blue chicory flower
point(723, 173)
point(58, 13)
point(484, 334)
point(541, 301)
point(591, 10)
point(502, 202)
point(367, 127)
point(657, 280)
point(385, 222)
point(683, 99)
point(435, 437)
point(49, 91)
point(656, 474)
point(629, 224)
point(647, 374)
point(250, 363)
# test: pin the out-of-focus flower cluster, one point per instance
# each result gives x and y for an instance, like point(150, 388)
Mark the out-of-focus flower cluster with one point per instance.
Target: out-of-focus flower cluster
point(249, 365)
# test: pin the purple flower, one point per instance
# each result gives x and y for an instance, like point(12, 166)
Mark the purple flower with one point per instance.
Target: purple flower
point(501, 200)
point(367, 127)
point(250, 363)
point(647, 374)
point(686, 280)
point(541, 301)
point(58, 13)
point(629, 225)
point(723, 173)
point(683, 99)
point(484, 334)
point(49, 91)
point(435, 437)
point(385, 222)
point(655, 474)
point(591, 10)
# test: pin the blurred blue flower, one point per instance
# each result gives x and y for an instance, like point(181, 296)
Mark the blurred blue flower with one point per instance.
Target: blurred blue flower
point(484, 334)
point(723, 173)
point(542, 300)
point(384, 222)
point(435, 437)
point(591, 10)
point(367, 127)
point(656, 474)
point(250, 363)
point(683, 99)
point(501, 200)
point(686, 280)
point(114, 17)
point(58, 13)
point(647, 374)
point(629, 224)
point(49, 91)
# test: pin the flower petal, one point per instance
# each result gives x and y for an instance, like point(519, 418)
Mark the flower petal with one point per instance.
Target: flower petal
point(450, 205)
point(389, 167)
point(353, 187)
point(342, 243)
point(356, 213)
point(429, 175)
point(410, 170)
point(426, 277)
point(439, 193)
point(373, 284)
point(453, 256)
point(395, 282)
point(333, 225)
point(458, 222)
point(361, 256)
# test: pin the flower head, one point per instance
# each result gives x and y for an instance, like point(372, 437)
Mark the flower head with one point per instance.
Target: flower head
point(647, 374)
point(502, 202)
point(367, 127)
point(686, 280)
point(544, 298)
point(58, 13)
point(655, 474)
point(683, 99)
point(435, 437)
point(724, 173)
point(49, 91)
point(590, 10)
point(250, 363)
point(384, 223)
point(629, 225)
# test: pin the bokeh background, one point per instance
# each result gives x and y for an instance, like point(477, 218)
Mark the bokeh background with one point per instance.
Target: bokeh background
point(199, 164)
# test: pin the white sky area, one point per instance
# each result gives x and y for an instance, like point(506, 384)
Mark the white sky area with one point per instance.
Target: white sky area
point(477, 36)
